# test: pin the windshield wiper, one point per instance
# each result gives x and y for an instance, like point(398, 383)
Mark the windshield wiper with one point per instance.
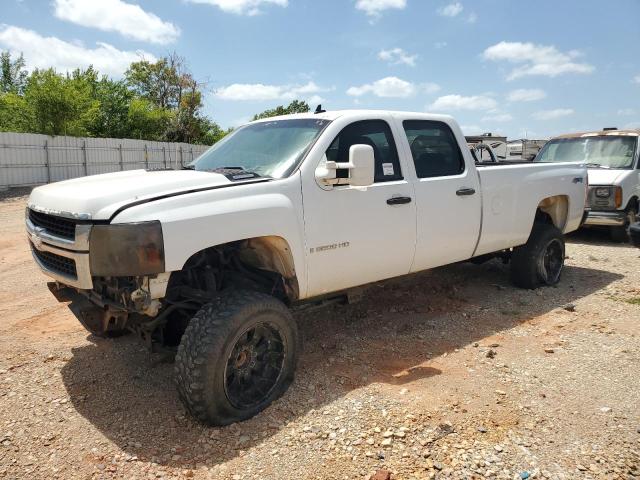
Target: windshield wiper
point(237, 173)
point(188, 167)
point(596, 165)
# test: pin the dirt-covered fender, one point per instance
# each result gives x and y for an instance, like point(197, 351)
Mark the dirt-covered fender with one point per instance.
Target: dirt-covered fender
point(195, 221)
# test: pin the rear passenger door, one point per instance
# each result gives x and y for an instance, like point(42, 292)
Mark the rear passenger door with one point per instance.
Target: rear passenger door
point(357, 235)
point(447, 195)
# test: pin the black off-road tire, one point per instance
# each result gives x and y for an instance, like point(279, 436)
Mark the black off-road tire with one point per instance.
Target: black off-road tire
point(621, 234)
point(205, 355)
point(540, 261)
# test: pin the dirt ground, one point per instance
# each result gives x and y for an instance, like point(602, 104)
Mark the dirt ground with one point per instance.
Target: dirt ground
point(452, 373)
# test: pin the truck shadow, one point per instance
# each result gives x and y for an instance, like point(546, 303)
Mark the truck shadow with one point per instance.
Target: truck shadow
point(399, 326)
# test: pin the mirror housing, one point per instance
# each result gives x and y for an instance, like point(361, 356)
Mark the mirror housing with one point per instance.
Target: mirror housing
point(361, 167)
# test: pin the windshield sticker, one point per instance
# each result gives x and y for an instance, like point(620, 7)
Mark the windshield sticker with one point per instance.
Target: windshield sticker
point(387, 169)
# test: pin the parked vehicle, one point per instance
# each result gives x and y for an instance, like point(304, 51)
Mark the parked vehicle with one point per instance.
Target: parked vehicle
point(524, 149)
point(611, 156)
point(282, 212)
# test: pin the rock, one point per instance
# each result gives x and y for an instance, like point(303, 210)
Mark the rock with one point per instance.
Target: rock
point(388, 433)
point(524, 475)
point(569, 307)
point(482, 429)
point(582, 468)
point(490, 353)
point(399, 434)
point(605, 409)
point(498, 448)
point(437, 465)
point(381, 475)
point(501, 392)
point(387, 442)
point(549, 350)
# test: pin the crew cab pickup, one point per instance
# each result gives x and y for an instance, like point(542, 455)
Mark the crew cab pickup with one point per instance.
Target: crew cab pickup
point(613, 160)
point(281, 212)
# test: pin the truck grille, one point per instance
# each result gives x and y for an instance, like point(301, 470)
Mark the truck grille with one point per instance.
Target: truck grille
point(56, 263)
point(57, 226)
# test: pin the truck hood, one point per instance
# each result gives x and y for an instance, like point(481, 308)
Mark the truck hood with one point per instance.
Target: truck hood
point(604, 176)
point(98, 197)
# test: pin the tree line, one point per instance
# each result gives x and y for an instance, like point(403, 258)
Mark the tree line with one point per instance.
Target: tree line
point(158, 100)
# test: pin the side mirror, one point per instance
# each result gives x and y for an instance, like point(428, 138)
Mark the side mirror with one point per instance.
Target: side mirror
point(360, 166)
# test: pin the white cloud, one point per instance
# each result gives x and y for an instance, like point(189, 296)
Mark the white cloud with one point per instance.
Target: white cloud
point(374, 8)
point(460, 102)
point(553, 114)
point(636, 79)
point(45, 52)
point(472, 18)
point(526, 95)
point(127, 19)
point(392, 87)
point(471, 129)
point(259, 91)
point(397, 56)
point(451, 10)
point(626, 111)
point(439, 45)
point(498, 117)
point(534, 59)
point(429, 87)
point(242, 7)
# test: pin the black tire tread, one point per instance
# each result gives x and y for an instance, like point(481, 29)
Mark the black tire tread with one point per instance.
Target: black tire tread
point(207, 332)
point(524, 272)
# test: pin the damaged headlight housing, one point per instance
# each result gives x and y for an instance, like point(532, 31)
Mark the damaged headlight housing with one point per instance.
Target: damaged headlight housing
point(128, 249)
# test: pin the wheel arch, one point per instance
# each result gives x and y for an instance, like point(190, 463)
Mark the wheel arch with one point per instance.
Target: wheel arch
point(633, 202)
point(270, 252)
point(554, 210)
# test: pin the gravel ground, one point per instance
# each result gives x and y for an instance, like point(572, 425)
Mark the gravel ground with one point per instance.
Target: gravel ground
point(451, 373)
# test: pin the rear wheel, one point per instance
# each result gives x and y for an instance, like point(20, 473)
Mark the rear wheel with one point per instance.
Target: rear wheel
point(621, 234)
point(236, 357)
point(539, 261)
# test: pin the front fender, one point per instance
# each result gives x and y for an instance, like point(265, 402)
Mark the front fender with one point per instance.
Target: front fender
point(196, 221)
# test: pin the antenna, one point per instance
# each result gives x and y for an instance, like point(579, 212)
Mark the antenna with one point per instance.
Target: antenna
point(319, 109)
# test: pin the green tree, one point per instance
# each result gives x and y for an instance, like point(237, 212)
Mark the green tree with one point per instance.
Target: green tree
point(15, 114)
point(147, 121)
point(297, 106)
point(157, 82)
point(112, 117)
point(13, 76)
point(169, 85)
point(61, 105)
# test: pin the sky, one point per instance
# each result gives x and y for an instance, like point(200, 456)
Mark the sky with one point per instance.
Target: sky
point(516, 68)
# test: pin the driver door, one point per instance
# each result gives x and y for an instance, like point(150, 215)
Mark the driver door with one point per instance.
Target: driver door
point(358, 235)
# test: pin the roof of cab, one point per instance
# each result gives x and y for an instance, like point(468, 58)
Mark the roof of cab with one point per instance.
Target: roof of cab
point(629, 132)
point(333, 114)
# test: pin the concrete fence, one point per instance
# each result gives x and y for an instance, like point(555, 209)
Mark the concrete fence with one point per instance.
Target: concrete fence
point(31, 159)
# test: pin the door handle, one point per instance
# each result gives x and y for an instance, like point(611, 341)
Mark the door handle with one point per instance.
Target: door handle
point(398, 200)
point(465, 191)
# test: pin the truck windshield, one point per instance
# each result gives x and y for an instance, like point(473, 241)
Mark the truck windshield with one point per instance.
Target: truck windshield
point(604, 152)
point(269, 149)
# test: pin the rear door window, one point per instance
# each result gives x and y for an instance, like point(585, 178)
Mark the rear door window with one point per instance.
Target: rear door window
point(434, 148)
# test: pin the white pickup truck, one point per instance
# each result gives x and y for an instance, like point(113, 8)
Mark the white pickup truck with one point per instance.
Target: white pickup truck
point(285, 211)
point(613, 160)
